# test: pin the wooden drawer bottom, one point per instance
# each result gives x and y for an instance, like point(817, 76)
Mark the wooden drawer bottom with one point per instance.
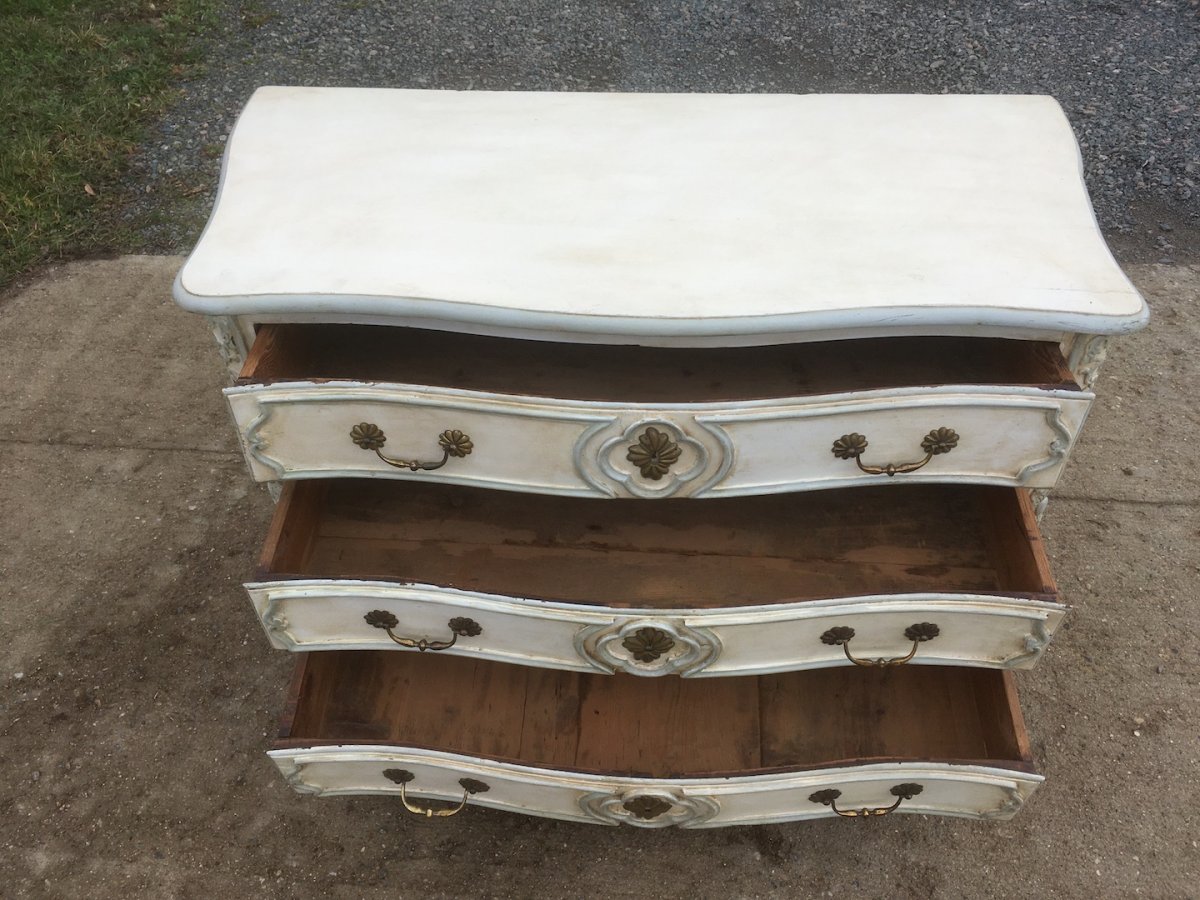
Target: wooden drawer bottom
point(657, 752)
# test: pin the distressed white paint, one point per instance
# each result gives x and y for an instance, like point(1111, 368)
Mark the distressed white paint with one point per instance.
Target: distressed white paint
point(969, 791)
point(976, 629)
point(658, 218)
point(1009, 435)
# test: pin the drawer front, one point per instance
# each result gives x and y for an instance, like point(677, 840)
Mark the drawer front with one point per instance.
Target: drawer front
point(434, 780)
point(993, 435)
point(968, 629)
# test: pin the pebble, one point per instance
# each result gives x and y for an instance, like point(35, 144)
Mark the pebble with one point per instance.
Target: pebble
point(1125, 73)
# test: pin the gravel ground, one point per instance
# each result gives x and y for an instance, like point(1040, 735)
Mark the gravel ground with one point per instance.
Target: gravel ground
point(1128, 75)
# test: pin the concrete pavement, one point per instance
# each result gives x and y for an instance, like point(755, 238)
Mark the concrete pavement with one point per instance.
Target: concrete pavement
point(139, 693)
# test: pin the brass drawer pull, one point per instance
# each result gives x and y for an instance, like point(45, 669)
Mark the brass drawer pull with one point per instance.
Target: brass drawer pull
point(452, 441)
point(918, 633)
point(402, 777)
point(829, 798)
point(459, 627)
point(852, 446)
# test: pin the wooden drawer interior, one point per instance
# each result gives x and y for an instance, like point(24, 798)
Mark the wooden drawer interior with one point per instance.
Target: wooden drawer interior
point(290, 352)
point(655, 727)
point(881, 539)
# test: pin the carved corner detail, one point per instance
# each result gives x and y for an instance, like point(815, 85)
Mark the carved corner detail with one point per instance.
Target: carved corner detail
point(1087, 355)
point(1008, 808)
point(1056, 452)
point(256, 444)
point(1040, 499)
point(294, 776)
point(276, 623)
point(1035, 643)
point(231, 345)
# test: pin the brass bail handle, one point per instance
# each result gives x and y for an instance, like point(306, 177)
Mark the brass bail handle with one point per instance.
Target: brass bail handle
point(453, 442)
point(918, 633)
point(852, 446)
point(402, 777)
point(459, 626)
point(829, 798)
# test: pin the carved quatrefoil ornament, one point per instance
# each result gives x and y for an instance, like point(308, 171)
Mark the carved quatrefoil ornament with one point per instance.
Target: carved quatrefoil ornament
point(650, 808)
point(654, 457)
point(648, 647)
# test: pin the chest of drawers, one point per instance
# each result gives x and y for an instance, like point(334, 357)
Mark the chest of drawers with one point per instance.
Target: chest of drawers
point(657, 459)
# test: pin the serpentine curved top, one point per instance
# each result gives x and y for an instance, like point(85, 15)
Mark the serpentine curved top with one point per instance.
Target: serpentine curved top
point(659, 218)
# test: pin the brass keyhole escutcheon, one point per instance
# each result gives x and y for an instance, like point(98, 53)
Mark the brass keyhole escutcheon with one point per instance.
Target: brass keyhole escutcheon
point(647, 807)
point(654, 453)
point(648, 644)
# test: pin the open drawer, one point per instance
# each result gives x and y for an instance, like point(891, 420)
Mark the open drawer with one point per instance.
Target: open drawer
point(657, 752)
point(317, 401)
point(885, 575)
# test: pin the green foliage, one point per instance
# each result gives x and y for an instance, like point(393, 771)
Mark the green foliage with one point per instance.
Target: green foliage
point(81, 79)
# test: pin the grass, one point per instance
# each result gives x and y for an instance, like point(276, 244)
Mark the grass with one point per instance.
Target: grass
point(79, 82)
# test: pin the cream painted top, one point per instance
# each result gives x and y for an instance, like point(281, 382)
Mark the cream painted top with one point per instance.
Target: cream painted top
point(658, 218)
